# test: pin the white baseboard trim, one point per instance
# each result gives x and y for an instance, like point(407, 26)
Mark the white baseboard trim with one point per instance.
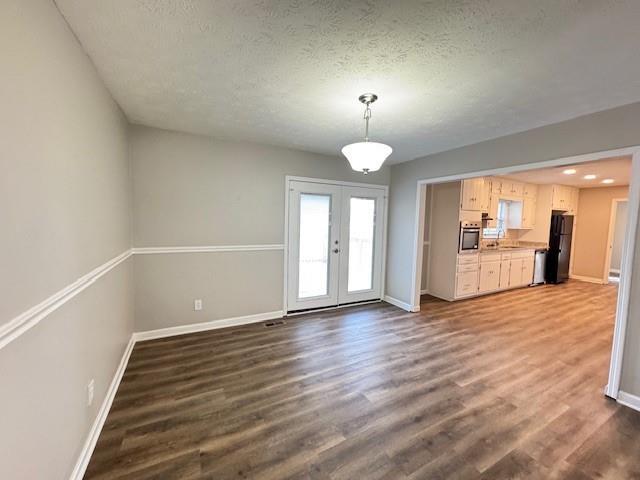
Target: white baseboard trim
point(628, 400)
point(90, 443)
point(212, 325)
point(400, 304)
point(614, 270)
point(586, 279)
point(30, 318)
point(424, 292)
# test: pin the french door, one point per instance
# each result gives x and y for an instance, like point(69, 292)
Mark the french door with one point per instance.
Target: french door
point(335, 241)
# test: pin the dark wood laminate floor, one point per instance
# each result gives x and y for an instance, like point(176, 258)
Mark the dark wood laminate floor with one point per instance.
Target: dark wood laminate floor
point(502, 386)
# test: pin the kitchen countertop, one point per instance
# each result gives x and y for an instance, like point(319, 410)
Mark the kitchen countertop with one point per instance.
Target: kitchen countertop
point(510, 249)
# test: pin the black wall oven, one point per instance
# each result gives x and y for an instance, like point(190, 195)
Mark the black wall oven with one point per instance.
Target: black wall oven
point(469, 236)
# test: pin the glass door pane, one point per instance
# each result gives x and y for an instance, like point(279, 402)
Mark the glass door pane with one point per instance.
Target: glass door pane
point(313, 266)
point(361, 239)
point(361, 244)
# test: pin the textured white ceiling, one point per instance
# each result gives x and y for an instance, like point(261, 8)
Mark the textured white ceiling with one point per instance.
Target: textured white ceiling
point(616, 168)
point(288, 72)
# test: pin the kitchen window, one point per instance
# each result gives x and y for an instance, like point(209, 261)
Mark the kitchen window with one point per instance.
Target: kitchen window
point(500, 230)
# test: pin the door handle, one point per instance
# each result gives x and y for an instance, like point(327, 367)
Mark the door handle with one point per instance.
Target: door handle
point(335, 250)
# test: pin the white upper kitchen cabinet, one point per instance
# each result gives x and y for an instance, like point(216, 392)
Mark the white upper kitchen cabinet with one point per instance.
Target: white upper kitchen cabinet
point(496, 186)
point(529, 190)
point(485, 196)
point(512, 188)
point(573, 201)
point(565, 198)
point(528, 213)
point(472, 194)
point(494, 199)
point(560, 197)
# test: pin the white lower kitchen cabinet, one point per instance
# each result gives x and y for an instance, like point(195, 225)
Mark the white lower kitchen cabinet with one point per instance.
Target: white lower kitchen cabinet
point(521, 270)
point(493, 272)
point(515, 272)
point(467, 283)
point(527, 270)
point(489, 278)
point(505, 269)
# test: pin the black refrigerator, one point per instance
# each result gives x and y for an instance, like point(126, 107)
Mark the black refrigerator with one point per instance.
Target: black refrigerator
point(557, 267)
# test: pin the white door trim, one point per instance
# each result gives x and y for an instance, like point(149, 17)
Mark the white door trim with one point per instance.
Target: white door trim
point(610, 235)
point(292, 178)
point(624, 288)
point(622, 311)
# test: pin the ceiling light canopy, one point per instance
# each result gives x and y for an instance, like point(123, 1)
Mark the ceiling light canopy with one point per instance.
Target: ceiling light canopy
point(366, 156)
point(569, 171)
point(608, 180)
point(590, 176)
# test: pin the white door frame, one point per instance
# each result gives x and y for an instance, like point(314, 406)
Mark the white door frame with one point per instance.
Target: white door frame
point(626, 266)
point(291, 178)
point(610, 237)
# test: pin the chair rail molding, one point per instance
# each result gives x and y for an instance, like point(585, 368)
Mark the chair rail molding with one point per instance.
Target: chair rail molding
point(207, 249)
point(30, 318)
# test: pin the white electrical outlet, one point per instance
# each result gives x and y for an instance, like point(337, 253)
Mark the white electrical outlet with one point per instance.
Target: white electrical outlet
point(90, 393)
point(197, 304)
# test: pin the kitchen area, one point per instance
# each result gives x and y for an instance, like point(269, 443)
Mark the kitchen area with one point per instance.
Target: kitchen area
point(474, 235)
point(489, 234)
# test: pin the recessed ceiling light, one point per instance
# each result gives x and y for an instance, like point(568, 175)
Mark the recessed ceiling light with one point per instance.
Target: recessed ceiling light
point(569, 171)
point(591, 176)
point(607, 180)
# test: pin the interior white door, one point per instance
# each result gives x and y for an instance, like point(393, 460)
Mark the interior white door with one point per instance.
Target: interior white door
point(361, 237)
point(335, 240)
point(314, 237)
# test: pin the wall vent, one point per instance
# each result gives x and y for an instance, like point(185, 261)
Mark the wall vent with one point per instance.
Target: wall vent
point(274, 323)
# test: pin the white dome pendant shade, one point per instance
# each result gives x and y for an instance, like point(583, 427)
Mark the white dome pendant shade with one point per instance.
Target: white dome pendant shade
point(366, 156)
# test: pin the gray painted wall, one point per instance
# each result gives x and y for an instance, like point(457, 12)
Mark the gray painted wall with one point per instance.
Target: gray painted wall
point(610, 129)
point(195, 190)
point(65, 190)
point(64, 206)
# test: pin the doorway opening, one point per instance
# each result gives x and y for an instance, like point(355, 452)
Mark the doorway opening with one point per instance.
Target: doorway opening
point(468, 277)
point(615, 240)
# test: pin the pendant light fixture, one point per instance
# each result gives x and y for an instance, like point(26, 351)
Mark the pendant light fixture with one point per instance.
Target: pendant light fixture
point(366, 156)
